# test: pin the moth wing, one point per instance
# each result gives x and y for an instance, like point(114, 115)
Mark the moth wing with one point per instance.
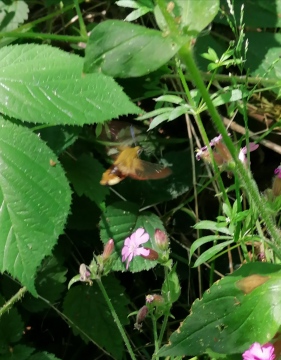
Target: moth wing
point(144, 170)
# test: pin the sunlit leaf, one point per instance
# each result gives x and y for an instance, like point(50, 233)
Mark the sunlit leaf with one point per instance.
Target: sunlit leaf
point(35, 201)
point(121, 49)
point(225, 319)
point(40, 83)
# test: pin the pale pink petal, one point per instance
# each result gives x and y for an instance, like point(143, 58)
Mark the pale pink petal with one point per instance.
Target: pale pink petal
point(125, 250)
point(130, 258)
point(138, 233)
point(127, 241)
point(142, 251)
point(141, 236)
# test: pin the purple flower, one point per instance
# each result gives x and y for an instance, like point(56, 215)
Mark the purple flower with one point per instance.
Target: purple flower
point(132, 246)
point(243, 152)
point(259, 352)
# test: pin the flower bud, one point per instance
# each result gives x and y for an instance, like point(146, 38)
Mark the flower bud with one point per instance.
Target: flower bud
point(152, 255)
point(140, 317)
point(276, 186)
point(223, 151)
point(155, 299)
point(161, 239)
point(108, 249)
point(85, 273)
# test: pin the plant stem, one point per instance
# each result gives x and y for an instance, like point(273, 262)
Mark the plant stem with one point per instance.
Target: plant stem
point(8, 305)
point(244, 174)
point(83, 29)
point(116, 319)
point(203, 134)
point(33, 35)
point(229, 79)
point(156, 344)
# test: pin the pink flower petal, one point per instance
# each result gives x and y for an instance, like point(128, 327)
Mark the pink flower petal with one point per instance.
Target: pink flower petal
point(259, 352)
point(142, 251)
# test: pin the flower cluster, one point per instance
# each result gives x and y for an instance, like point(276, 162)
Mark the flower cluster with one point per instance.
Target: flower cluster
point(221, 153)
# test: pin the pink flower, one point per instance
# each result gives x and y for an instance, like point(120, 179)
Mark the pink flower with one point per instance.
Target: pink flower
point(277, 171)
point(132, 247)
point(259, 352)
point(243, 152)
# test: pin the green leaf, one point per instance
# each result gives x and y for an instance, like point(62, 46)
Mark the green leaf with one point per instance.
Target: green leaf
point(171, 287)
point(155, 113)
point(159, 119)
point(20, 352)
point(50, 283)
point(121, 49)
point(85, 175)
point(86, 308)
point(59, 138)
point(43, 356)
point(204, 240)
point(119, 221)
point(214, 250)
point(258, 14)
point(11, 328)
point(134, 15)
point(229, 96)
point(263, 55)
point(239, 310)
point(212, 225)
point(170, 98)
point(35, 198)
point(39, 83)
point(194, 15)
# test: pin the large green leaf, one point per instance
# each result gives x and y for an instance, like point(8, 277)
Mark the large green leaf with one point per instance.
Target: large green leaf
point(39, 83)
point(263, 57)
point(59, 138)
point(235, 312)
point(119, 221)
point(19, 352)
point(50, 283)
point(86, 308)
point(257, 14)
point(191, 16)
point(35, 201)
point(43, 356)
point(11, 328)
point(121, 49)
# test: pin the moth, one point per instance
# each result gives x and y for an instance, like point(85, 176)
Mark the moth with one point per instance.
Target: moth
point(128, 164)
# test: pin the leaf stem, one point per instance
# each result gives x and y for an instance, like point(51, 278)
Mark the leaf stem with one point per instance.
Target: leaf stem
point(229, 79)
point(83, 29)
point(156, 344)
point(8, 305)
point(116, 319)
point(33, 35)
